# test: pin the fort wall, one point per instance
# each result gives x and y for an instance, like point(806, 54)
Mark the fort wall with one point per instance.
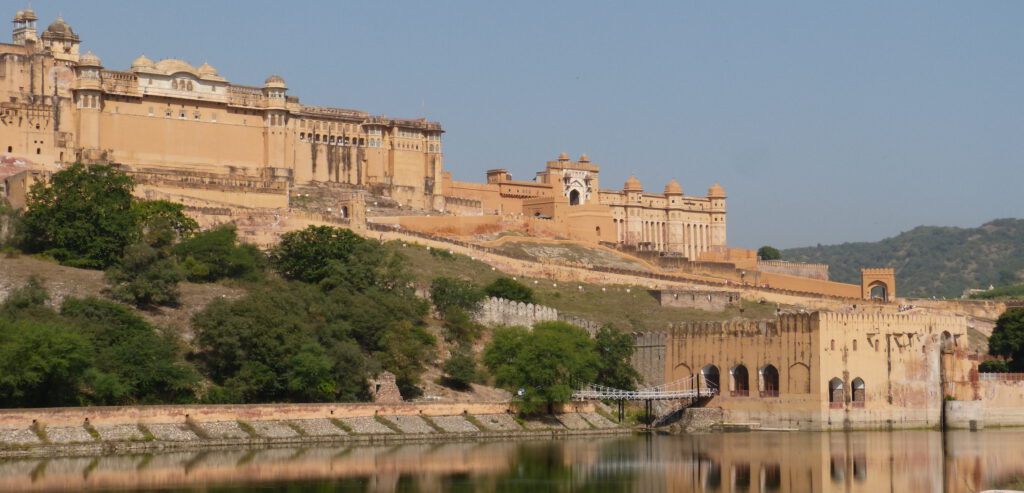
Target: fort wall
point(715, 301)
point(797, 269)
point(498, 312)
point(826, 370)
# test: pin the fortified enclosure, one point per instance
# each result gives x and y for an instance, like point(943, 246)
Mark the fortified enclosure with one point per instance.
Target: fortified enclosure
point(827, 370)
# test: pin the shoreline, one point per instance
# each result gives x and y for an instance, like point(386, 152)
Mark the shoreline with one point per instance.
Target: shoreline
point(53, 432)
point(148, 446)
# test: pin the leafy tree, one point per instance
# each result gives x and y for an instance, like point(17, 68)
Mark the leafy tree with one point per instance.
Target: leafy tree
point(41, 363)
point(407, 350)
point(83, 217)
point(1008, 338)
point(459, 326)
point(994, 366)
point(614, 351)
point(134, 363)
point(157, 216)
point(145, 277)
point(448, 292)
point(548, 363)
point(217, 254)
point(510, 289)
point(318, 252)
point(460, 369)
point(769, 253)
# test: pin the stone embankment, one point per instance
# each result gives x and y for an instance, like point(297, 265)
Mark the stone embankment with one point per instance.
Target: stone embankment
point(74, 431)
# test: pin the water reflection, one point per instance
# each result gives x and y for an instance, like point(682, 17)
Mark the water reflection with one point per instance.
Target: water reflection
point(742, 462)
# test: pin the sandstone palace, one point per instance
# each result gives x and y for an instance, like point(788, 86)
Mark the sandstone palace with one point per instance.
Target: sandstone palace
point(186, 133)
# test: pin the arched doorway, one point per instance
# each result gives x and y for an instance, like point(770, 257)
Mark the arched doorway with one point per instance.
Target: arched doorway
point(740, 381)
point(835, 393)
point(711, 377)
point(878, 291)
point(858, 392)
point(574, 197)
point(770, 381)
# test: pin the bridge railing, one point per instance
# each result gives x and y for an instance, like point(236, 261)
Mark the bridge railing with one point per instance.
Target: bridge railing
point(687, 388)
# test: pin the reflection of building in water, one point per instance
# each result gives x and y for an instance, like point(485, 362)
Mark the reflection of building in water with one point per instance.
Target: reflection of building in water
point(835, 370)
point(903, 461)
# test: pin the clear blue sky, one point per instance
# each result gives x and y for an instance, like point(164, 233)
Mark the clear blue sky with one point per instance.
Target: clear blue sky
point(824, 121)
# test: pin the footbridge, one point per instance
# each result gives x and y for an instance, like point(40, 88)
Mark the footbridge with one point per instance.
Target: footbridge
point(693, 387)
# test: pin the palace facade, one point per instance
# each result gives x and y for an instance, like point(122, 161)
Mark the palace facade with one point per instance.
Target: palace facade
point(177, 126)
point(568, 192)
point(186, 133)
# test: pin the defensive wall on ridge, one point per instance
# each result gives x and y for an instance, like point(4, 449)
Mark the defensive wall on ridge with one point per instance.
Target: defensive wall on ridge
point(501, 312)
point(810, 271)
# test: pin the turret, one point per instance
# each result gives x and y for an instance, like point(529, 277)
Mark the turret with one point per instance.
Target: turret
point(24, 27)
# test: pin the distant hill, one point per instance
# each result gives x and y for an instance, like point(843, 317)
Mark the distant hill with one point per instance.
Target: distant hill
point(931, 260)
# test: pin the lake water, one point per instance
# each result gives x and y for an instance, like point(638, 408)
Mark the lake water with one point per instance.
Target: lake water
point(905, 461)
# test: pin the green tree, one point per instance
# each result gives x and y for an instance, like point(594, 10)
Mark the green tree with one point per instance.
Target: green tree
point(83, 217)
point(217, 254)
point(41, 363)
point(1008, 338)
point(134, 362)
point(614, 354)
point(321, 252)
point(145, 277)
point(769, 253)
point(547, 363)
point(510, 289)
point(459, 326)
point(162, 215)
point(994, 366)
point(448, 292)
point(460, 369)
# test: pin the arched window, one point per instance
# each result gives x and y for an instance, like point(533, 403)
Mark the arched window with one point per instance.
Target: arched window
point(858, 392)
point(344, 211)
point(740, 381)
point(769, 381)
point(710, 376)
point(574, 197)
point(835, 393)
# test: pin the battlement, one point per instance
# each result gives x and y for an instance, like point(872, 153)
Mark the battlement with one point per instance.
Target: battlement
point(879, 271)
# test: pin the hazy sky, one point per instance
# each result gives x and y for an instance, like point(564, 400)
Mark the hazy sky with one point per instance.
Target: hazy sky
point(824, 121)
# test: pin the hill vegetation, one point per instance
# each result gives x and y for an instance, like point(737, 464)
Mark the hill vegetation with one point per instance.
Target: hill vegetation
point(931, 260)
point(314, 319)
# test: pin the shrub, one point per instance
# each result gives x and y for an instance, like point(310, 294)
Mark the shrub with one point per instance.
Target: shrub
point(510, 289)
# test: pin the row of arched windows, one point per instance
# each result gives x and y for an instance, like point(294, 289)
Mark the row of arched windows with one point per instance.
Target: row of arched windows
point(837, 393)
point(740, 380)
point(768, 379)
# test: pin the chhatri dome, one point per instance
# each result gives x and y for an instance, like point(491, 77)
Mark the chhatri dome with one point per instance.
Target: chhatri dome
point(716, 190)
point(142, 62)
point(584, 159)
point(673, 188)
point(274, 81)
point(89, 60)
point(563, 157)
point(633, 185)
point(59, 29)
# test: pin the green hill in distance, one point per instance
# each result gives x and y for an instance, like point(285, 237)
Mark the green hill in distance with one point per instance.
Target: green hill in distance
point(931, 260)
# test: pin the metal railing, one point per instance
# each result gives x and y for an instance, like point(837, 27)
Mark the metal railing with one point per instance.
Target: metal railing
point(692, 387)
